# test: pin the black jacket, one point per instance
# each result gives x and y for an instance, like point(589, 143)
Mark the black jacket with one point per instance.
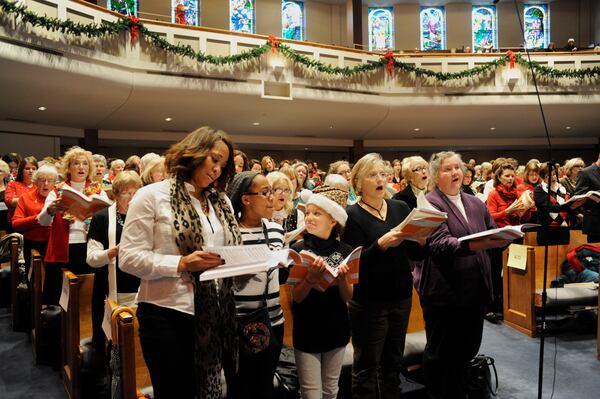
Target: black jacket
point(589, 180)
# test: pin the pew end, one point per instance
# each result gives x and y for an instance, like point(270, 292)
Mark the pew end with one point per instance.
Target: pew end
point(76, 323)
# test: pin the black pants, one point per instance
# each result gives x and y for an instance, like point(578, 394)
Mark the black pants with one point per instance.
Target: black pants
point(453, 339)
point(495, 255)
point(167, 339)
point(254, 378)
point(53, 279)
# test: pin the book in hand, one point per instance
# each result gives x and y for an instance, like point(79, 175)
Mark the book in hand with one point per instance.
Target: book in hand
point(422, 221)
point(590, 195)
point(80, 205)
point(507, 233)
point(248, 259)
point(299, 270)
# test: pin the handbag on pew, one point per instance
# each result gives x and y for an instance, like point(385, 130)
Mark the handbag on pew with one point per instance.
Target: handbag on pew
point(480, 382)
point(254, 329)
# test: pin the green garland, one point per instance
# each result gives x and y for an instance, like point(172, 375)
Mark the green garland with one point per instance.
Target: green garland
point(126, 24)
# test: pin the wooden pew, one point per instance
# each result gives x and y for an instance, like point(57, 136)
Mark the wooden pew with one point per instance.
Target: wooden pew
point(76, 323)
point(520, 286)
point(134, 373)
point(37, 278)
point(14, 276)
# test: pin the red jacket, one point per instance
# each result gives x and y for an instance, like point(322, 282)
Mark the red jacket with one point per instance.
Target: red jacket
point(497, 205)
point(25, 218)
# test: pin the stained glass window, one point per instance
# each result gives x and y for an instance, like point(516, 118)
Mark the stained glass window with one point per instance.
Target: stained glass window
point(184, 12)
point(484, 28)
point(292, 20)
point(433, 28)
point(381, 29)
point(241, 16)
point(125, 7)
point(537, 26)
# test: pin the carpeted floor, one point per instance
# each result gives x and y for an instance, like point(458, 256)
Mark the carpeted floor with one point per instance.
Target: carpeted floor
point(516, 356)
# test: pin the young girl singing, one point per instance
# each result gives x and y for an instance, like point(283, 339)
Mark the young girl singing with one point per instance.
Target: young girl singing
point(321, 325)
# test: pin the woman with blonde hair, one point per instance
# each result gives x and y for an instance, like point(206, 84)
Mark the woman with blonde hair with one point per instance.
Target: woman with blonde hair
point(104, 236)
point(571, 169)
point(68, 235)
point(381, 303)
point(284, 212)
point(154, 171)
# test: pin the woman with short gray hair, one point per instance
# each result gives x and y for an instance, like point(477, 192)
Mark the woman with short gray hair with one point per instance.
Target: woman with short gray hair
point(455, 283)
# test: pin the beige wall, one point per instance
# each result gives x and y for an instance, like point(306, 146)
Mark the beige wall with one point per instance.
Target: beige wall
point(326, 23)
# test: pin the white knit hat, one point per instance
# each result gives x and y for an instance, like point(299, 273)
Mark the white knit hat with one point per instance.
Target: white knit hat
point(323, 201)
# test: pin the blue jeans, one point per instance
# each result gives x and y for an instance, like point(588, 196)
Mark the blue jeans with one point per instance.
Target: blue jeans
point(378, 337)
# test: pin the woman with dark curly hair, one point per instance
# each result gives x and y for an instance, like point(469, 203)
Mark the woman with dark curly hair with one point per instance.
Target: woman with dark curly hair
point(187, 327)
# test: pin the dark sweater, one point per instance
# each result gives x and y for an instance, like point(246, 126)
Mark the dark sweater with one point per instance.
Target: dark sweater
point(384, 275)
point(321, 321)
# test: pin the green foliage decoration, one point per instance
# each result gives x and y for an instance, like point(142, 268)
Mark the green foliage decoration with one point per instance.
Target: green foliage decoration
point(125, 24)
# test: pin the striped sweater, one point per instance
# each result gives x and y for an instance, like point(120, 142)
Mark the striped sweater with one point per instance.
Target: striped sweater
point(249, 296)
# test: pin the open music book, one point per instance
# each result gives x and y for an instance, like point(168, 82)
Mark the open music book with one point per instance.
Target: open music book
point(422, 220)
point(249, 259)
point(590, 195)
point(294, 234)
point(502, 233)
point(299, 271)
point(80, 205)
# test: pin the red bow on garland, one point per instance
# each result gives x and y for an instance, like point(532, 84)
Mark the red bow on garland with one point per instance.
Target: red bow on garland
point(273, 41)
point(512, 58)
point(390, 64)
point(134, 28)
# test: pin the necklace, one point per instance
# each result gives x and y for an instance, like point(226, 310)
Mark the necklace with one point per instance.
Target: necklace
point(203, 203)
point(120, 219)
point(375, 209)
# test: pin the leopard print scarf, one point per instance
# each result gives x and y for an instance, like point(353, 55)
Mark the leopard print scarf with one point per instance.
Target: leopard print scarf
point(215, 326)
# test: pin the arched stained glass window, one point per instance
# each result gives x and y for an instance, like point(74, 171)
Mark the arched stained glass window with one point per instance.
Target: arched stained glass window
point(433, 28)
point(537, 26)
point(184, 12)
point(381, 29)
point(484, 28)
point(292, 20)
point(241, 16)
point(125, 7)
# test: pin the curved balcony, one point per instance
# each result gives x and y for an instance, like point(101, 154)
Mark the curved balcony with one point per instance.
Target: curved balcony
point(128, 90)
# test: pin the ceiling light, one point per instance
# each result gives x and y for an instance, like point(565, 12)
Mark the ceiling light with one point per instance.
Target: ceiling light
point(256, 123)
point(417, 129)
point(42, 108)
point(331, 127)
point(568, 127)
point(168, 119)
point(492, 128)
point(305, 148)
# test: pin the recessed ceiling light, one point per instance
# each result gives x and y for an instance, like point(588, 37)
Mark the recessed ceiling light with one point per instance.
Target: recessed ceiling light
point(331, 127)
point(42, 108)
point(305, 148)
point(417, 129)
point(168, 119)
point(492, 128)
point(568, 127)
point(256, 123)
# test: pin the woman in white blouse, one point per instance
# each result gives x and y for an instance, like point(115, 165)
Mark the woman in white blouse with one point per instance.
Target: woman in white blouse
point(187, 327)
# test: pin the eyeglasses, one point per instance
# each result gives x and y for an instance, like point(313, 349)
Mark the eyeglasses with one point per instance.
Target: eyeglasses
point(419, 169)
point(282, 191)
point(264, 193)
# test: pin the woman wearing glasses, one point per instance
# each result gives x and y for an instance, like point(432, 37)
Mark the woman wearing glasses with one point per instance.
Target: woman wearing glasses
point(252, 199)
point(415, 170)
point(380, 305)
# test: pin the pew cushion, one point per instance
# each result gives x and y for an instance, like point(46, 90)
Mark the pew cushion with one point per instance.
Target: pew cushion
point(568, 296)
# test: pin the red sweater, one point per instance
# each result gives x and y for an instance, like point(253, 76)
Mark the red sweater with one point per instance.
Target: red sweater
point(25, 218)
point(14, 189)
point(497, 206)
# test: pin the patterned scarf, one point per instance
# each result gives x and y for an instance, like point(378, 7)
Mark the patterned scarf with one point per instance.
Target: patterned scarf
point(215, 326)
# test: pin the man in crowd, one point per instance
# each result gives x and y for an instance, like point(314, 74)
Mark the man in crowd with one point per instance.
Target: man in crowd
point(589, 180)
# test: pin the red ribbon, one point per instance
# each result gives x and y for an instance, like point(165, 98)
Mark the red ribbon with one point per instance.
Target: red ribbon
point(390, 65)
point(273, 41)
point(512, 58)
point(134, 28)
